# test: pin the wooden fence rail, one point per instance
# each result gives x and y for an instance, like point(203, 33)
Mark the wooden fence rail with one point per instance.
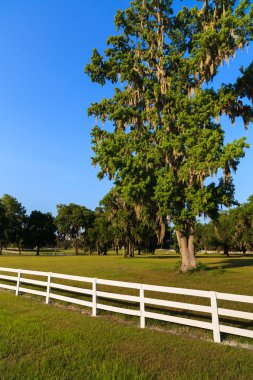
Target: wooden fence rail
point(47, 281)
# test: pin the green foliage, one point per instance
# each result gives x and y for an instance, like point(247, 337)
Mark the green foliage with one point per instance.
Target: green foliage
point(100, 235)
point(220, 269)
point(72, 223)
point(167, 139)
point(3, 224)
point(177, 266)
point(243, 219)
point(244, 85)
point(232, 230)
point(200, 267)
point(134, 225)
point(40, 230)
point(13, 216)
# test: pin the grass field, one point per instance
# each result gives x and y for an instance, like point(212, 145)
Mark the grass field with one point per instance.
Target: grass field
point(232, 275)
point(38, 341)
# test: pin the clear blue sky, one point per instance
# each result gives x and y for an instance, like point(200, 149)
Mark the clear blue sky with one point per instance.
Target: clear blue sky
point(44, 95)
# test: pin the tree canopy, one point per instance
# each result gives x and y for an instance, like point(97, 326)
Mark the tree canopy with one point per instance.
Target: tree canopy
point(3, 229)
point(13, 221)
point(231, 231)
point(167, 139)
point(40, 231)
point(72, 222)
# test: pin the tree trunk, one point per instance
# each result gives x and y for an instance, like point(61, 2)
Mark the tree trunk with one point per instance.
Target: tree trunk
point(117, 249)
point(126, 250)
point(19, 251)
point(76, 246)
point(186, 246)
point(105, 250)
point(131, 248)
point(37, 250)
point(225, 251)
point(244, 250)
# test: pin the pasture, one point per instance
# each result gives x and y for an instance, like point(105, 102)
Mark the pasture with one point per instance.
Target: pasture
point(61, 342)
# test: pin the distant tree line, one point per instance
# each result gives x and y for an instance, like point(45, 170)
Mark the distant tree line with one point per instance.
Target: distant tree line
point(117, 225)
point(17, 229)
point(231, 231)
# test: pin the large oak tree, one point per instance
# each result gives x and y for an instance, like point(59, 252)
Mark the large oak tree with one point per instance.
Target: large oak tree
point(167, 138)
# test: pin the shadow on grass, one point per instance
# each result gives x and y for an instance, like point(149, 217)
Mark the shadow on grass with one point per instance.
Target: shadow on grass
point(157, 256)
point(234, 263)
point(203, 317)
point(220, 256)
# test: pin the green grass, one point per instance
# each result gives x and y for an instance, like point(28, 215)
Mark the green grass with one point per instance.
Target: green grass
point(235, 276)
point(40, 341)
point(44, 342)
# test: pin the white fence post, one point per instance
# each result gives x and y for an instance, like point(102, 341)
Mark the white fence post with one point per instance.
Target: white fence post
point(48, 288)
point(215, 318)
point(142, 308)
point(94, 297)
point(18, 282)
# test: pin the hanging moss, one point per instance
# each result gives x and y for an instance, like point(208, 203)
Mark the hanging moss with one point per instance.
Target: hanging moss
point(168, 138)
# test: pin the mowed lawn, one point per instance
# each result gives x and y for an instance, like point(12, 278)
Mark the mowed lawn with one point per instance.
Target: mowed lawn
point(232, 275)
point(39, 341)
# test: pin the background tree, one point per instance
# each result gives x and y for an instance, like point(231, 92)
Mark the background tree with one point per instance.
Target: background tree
point(207, 237)
point(243, 219)
point(15, 219)
point(3, 225)
point(72, 223)
point(122, 219)
point(134, 225)
point(167, 139)
point(200, 238)
point(102, 232)
point(40, 231)
point(224, 231)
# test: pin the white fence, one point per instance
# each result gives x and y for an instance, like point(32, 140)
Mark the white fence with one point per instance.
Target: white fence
point(19, 284)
